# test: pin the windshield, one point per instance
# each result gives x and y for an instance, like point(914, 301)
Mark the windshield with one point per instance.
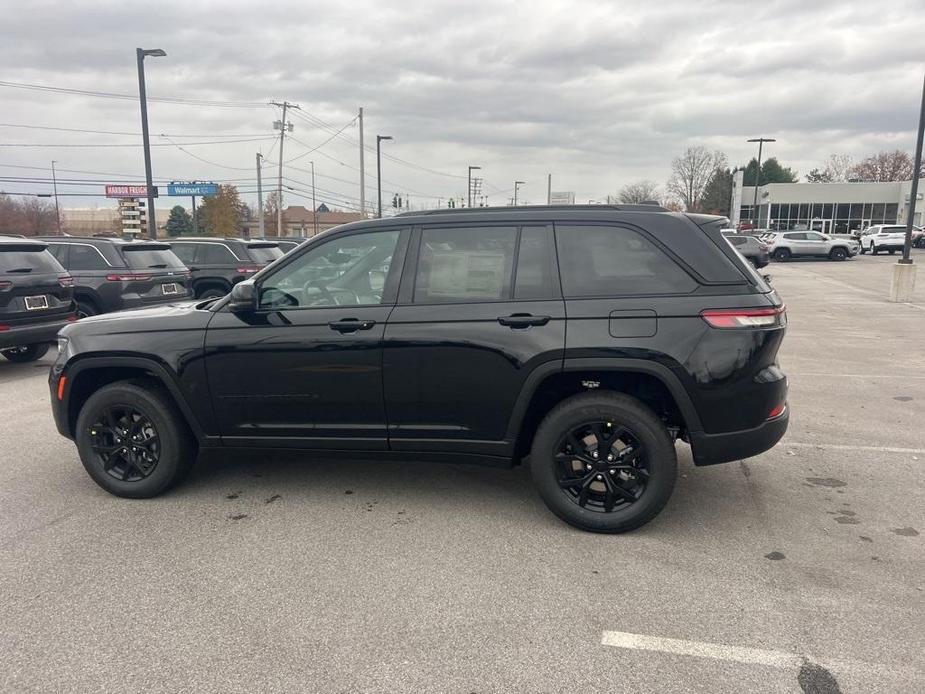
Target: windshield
point(264, 254)
point(37, 262)
point(147, 258)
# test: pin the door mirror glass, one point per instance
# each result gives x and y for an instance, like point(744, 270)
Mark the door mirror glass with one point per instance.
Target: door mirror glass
point(243, 298)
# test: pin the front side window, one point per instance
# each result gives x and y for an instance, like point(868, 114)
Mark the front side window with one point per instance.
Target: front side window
point(465, 264)
point(815, 237)
point(346, 271)
point(608, 260)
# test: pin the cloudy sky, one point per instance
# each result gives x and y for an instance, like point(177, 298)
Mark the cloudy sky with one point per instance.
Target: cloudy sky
point(597, 92)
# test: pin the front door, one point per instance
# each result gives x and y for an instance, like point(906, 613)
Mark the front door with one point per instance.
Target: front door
point(305, 368)
point(477, 313)
point(816, 243)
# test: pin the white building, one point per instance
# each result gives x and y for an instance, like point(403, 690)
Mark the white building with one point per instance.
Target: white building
point(831, 207)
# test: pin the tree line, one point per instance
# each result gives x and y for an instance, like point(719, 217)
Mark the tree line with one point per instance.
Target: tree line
point(701, 179)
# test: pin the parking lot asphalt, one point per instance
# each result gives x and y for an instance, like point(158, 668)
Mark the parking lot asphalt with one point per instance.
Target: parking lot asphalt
point(802, 569)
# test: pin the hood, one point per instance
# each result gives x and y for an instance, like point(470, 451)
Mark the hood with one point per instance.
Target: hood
point(180, 315)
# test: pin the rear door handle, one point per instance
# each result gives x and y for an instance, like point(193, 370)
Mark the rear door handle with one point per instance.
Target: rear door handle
point(522, 320)
point(351, 325)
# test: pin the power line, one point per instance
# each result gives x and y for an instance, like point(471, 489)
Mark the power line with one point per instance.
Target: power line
point(116, 132)
point(132, 97)
point(185, 144)
point(317, 147)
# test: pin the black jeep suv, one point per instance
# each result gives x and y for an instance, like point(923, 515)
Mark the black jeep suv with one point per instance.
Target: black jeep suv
point(218, 264)
point(111, 274)
point(586, 340)
point(36, 299)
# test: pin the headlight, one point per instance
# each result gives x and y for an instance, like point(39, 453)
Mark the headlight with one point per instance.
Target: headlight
point(62, 344)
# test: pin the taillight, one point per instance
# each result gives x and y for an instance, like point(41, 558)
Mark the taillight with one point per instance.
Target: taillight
point(72, 318)
point(746, 317)
point(777, 411)
point(247, 269)
point(128, 277)
point(4, 286)
point(66, 281)
point(762, 246)
point(4, 328)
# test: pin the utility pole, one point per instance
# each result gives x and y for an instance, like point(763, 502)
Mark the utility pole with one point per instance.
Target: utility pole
point(904, 271)
point(314, 204)
point(517, 185)
point(755, 216)
point(469, 191)
point(549, 189)
point(140, 55)
point(362, 170)
point(260, 229)
point(283, 126)
point(54, 180)
point(379, 139)
point(195, 218)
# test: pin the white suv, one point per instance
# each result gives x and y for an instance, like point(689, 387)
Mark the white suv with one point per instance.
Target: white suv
point(784, 245)
point(883, 237)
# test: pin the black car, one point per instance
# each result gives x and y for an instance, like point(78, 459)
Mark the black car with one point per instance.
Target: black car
point(218, 264)
point(286, 244)
point(112, 274)
point(583, 339)
point(36, 299)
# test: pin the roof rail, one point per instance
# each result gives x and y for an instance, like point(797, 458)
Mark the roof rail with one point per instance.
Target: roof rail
point(536, 208)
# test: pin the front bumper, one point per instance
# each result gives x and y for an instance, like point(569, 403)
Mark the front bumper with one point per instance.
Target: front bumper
point(36, 333)
point(712, 449)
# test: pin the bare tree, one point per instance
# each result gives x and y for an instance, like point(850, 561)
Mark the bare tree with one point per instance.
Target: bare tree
point(837, 169)
point(638, 192)
point(884, 166)
point(690, 174)
point(29, 216)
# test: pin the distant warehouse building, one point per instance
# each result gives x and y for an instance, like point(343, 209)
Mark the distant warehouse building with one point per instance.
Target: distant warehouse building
point(836, 208)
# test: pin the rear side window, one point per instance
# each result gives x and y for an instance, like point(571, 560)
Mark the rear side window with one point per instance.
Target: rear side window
point(144, 258)
point(85, 257)
point(28, 262)
point(795, 237)
point(608, 260)
point(264, 254)
point(737, 240)
point(465, 264)
point(184, 251)
point(215, 254)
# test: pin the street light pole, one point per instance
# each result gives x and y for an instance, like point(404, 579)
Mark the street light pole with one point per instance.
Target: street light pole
point(54, 181)
point(140, 55)
point(913, 194)
point(755, 217)
point(379, 139)
point(469, 192)
point(260, 222)
point(517, 185)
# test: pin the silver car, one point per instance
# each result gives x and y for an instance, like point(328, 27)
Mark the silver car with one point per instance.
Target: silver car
point(785, 245)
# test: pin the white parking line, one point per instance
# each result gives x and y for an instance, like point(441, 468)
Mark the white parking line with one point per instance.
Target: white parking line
point(849, 447)
point(800, 374)
point(701, 649)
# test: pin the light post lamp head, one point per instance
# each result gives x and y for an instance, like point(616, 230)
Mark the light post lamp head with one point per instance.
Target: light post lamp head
point(152, 52)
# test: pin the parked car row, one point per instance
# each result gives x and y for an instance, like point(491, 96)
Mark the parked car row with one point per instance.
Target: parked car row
point(47, 281)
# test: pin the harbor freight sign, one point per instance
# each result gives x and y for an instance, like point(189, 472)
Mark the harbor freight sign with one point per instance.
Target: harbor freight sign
point(115, 190)
point(189, 189)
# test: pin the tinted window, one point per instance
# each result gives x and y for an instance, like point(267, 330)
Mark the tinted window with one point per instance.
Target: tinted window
point(346, 271)
point(534, 272)
point(28, 262)
point(215, 254)
point(184, 251)
point(815, 237)
point(59, 250)
point(85, 257)
point(264, 254)
point(795, 237)
point(604, 260)
point(465, 264)
point(138, 258)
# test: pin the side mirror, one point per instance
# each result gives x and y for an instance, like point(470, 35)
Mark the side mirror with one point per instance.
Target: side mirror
point(243, 298)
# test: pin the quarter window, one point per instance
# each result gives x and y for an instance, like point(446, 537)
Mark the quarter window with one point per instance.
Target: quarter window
point(216, 254)
point(85, 257)
point(184, 251)
point(606, 260)
point(465, 264)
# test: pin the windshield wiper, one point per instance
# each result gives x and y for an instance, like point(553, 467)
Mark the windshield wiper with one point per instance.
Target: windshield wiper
point(20, 269)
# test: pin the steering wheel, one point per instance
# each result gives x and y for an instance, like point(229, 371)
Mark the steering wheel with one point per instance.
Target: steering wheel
point(328, 294)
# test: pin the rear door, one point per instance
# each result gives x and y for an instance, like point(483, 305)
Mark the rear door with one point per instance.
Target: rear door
point(479, 309)
point(796, 242)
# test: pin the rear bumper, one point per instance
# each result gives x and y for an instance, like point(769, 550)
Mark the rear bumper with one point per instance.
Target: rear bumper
point(711, 449)
point(22, 335)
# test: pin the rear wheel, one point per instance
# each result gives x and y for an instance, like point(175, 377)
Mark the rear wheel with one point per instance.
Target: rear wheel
point(873, 248)
point(85, 308)
point(132, 440)
point(603, 462)
point(782, 254)
point(863, 250)
point(26, 353)
point(892, 251)
point(838, 254)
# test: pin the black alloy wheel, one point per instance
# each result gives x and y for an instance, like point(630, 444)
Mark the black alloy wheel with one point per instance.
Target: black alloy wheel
point(602, 467)
point(782, 254)
point(125, 442)
point(839, 254)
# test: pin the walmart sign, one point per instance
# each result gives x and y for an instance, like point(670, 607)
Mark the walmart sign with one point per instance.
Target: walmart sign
point(188, 189)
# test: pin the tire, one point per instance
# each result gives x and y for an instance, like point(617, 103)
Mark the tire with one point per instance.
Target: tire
point(781, 254)
point(892, 251)
point(862, 250)
point(85, 309)
point(213, 293)
point(838, 253)
point(26, 353)
point(624, 413)
point(174, 446)
point(873, 249)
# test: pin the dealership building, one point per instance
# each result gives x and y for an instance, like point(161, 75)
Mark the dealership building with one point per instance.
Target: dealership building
point(836, 208)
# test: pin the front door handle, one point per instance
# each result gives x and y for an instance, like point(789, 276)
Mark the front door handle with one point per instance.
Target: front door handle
point(522, 320)
point(351, 325)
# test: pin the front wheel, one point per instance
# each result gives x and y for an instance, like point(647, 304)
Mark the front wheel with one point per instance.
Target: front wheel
point(781, 254)
point(26, 353)
point(838, 254)
point(603, 462)
point(873, 249)
point(132, 440)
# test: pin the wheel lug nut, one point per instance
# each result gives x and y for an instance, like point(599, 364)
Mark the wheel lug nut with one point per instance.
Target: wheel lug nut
point(610, 457)
point(588, 466)
point(594, 454)
point(613, 472)
point(599, 477)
